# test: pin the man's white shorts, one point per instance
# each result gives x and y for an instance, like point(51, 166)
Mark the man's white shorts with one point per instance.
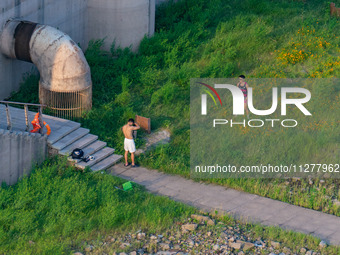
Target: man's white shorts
point(129, 145)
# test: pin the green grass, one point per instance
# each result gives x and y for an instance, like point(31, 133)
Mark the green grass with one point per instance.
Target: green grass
point(219, 38)
point(60, 210)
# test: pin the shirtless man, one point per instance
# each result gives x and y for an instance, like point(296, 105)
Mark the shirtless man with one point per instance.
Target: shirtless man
point(129, 143)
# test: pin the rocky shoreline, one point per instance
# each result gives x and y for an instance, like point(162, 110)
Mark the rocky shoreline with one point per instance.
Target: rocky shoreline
point(199, 234)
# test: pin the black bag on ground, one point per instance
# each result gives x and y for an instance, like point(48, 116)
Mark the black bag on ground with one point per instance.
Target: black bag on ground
point(77, 153)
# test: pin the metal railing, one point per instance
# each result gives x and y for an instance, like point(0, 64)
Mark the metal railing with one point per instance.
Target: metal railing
point(26, 105)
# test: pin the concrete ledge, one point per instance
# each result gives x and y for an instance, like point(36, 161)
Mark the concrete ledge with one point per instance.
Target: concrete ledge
point(19, 152)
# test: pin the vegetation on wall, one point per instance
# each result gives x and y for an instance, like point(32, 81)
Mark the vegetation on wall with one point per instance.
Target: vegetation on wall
point(217, 38)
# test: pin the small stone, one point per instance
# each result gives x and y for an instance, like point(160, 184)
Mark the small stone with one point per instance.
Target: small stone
point(240, 253)
point(322, 181)
point(248, 245)
point(231, 239)
point(122, 253)
point(276, 245)
point(322, 244)
point(189, 226)
point(133, 253)
point(286, 250)
point(89, 248)
point(216, 247)
point(259, 243)
point(224, 247)
point(177, 246)
point(303, 250)
point(140, 236)
point(191, 242)
point(141, 251)
point(209, 233)
point(153, 237)
point(164, 246)
point(124, 245)
point(236, 246)
point(78, 253)
point(310, 252)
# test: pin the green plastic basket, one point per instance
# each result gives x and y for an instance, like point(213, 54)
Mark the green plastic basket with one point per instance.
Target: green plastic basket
point(127, 186)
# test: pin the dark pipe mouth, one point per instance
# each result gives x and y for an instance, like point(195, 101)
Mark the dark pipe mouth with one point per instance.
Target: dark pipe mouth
point(22, 35)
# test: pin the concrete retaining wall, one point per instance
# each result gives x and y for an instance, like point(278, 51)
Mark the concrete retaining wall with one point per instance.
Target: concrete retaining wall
point(158, 2)
point(126, 21)
point(19, 151)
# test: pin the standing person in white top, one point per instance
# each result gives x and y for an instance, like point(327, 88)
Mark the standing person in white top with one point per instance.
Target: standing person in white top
point(129, 143)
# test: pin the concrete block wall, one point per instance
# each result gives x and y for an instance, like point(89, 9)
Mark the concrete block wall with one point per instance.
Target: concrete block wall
point(19, 151)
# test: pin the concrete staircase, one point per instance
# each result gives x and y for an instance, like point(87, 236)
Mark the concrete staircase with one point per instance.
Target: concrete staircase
point(65, 140)
point(66, 135)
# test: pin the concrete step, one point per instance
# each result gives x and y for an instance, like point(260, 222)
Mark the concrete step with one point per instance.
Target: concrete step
point(106, 163)
point(70, 138)
point(81, 143)
point(99, 155)
point(66, 135)
point(57, 134)
point(90, 149)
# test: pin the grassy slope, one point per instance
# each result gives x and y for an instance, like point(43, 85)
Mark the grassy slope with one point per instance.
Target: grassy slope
point(219, 38)
point(58, 210)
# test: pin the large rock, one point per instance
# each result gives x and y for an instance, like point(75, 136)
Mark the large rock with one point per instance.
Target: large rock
point(236, 246)
point(203, 219)
point(248, 245)
point(189, 227)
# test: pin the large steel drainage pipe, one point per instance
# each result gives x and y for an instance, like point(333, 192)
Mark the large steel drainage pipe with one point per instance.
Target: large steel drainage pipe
point(65, 84)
